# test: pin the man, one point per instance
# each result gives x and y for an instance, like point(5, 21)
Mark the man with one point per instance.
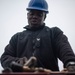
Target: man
point(46, 44)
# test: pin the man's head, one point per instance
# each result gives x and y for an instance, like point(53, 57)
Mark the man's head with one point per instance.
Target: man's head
point(36, 17)
point(37, 10)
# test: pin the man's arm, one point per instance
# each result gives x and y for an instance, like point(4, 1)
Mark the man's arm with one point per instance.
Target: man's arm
point(62, 47)
point(9, 54)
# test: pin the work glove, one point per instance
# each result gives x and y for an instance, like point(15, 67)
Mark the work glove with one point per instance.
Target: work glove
point(71, 67)
point(23, 65)
point(16, 66)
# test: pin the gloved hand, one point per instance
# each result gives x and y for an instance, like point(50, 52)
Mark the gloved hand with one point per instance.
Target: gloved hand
point(71, 67)
point(22, 61)
point(23, 65)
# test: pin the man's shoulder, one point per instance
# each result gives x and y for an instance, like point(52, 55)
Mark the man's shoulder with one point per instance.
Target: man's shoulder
point(18, 34)
point(54, 29)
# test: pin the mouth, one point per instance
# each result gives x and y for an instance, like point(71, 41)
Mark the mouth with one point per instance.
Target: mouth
point(34, 21)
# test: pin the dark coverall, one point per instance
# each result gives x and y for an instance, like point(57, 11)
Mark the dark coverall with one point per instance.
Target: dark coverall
point(46, 44)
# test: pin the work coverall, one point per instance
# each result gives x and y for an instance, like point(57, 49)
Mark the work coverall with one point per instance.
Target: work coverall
point(46, 44)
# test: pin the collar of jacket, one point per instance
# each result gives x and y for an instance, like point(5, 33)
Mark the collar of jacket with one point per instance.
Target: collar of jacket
point(34, 28)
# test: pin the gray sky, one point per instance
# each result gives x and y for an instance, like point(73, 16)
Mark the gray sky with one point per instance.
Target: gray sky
point(13, 17)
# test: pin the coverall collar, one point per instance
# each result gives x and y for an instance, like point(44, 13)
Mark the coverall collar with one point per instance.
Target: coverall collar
point(34, 28)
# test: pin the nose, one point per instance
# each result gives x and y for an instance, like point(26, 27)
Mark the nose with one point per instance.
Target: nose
point(35, 16)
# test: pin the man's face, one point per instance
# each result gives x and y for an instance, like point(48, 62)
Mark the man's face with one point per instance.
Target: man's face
point(35, 17)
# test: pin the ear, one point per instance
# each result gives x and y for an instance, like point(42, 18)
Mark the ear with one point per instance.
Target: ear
point(44, 16)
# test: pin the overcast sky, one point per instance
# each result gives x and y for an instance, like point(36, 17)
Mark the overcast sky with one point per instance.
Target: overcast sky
point(13, 17)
